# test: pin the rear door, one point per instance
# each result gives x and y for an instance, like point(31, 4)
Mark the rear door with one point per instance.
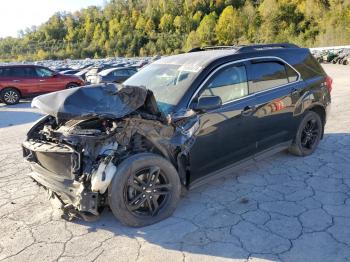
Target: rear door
point(226, 135)
point(277, 87)
point(23, 78)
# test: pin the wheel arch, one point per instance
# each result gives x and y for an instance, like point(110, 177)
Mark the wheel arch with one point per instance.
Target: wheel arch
point(175, 157)
point(321, 111)
point(72, 83)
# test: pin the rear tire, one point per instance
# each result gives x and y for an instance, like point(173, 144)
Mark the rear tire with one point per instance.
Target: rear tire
point(10, 96)
point(145, 190)
point(308, 135)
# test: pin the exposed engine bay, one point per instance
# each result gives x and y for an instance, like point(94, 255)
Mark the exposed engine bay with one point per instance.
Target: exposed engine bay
point(75, 150)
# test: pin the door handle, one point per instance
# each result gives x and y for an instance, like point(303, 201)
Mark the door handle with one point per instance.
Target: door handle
point(248, 110)
point(15, 80)
point(41, 80)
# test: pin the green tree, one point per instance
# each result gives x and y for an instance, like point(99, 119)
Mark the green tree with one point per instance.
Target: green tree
point(229, 27)
point(192, 41)
point(206, 29)
point(166, 23)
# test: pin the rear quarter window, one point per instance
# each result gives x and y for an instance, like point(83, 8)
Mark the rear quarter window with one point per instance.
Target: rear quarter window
point(311, 68)
point(305, 64)
point(5, 72)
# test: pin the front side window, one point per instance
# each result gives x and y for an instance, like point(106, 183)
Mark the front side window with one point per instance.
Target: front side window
point(229, 84)
point(42, 72)
point(266, 75)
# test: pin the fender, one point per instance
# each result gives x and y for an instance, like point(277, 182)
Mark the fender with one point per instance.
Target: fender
point(313, 97)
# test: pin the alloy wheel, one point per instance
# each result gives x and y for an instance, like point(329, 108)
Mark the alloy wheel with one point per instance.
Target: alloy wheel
point(10, 97)
point(147, 191)
point(310, 134)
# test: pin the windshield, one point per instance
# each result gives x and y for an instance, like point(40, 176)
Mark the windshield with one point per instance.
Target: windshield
point(168, 82)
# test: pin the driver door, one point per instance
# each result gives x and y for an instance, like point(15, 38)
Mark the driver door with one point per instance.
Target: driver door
point(226, 134)
point(48, 81)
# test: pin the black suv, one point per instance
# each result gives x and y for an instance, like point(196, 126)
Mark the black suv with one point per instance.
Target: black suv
point(175, 124)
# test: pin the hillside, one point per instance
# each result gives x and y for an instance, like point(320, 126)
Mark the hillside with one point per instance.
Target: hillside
point(148, 27)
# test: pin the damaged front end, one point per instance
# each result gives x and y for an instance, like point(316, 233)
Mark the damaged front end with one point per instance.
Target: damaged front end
point(75, 150)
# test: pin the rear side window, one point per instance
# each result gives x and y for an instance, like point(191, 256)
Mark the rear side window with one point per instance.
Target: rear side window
point(121, 73)
point(229, 84)
point(6, 72)
point(266, 75)
point(18, 72)
point(131, 72)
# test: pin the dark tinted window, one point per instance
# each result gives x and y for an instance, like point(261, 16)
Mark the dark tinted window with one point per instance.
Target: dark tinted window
point(310, 68)
point(266, 75)
point(121, 73)
point(18, 72)
point(4, 72)
point(229, 84)
point(292, 75)
point(131, 71)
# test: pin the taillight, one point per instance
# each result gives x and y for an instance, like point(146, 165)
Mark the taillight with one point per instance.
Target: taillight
point(329, 82)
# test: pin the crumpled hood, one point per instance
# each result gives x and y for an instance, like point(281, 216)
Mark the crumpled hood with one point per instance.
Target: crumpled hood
point(103, 100)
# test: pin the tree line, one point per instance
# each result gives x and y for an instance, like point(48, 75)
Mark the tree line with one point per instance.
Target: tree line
point(148, 27)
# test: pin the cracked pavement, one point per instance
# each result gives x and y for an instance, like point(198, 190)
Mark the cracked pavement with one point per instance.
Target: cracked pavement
point(283, 208)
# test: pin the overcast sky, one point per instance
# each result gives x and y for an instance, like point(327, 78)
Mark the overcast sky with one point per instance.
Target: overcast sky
point(20, 14)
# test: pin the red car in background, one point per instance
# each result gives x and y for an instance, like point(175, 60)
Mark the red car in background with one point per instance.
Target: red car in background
point(26, 81)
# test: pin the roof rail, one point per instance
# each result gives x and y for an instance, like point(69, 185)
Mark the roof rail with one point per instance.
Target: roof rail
point(219, 47)
point(250, 48)
point(244, 48)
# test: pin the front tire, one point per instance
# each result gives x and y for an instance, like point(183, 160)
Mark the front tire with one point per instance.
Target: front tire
point(145, 190)
point(308, 135)
point(10, 96)
point(72, 85)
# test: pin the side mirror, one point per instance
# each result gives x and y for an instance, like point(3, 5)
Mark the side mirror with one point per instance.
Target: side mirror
point(206, 103)
point(55, 74)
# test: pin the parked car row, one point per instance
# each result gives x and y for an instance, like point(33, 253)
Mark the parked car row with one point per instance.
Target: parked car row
point(30, 80)
point(335, 56)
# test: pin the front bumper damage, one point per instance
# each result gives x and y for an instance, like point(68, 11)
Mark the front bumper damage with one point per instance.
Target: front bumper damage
point(75, 199)
point(74, 152)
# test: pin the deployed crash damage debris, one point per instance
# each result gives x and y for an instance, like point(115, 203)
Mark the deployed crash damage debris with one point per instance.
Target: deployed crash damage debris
point(75, 151)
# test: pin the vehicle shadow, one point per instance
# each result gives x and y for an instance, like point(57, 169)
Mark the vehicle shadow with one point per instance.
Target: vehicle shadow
point(18, 114)
point(21, 104)
point(255, 212)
